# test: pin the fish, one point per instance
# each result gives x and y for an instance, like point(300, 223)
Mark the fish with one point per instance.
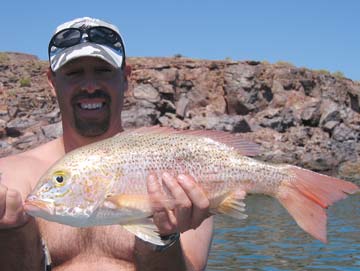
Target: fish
point(104, 183)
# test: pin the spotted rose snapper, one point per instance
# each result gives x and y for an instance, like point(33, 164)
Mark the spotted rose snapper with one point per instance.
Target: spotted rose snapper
point(105, 182)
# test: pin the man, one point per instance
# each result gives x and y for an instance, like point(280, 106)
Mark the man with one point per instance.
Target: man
point(88, 74)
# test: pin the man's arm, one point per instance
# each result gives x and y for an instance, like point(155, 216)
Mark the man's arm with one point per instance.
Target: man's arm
point(190, 216)
point(190, 253)
point(20, 245)
point(196, 244)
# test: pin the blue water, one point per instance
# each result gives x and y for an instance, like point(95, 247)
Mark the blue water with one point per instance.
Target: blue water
point(270, 240)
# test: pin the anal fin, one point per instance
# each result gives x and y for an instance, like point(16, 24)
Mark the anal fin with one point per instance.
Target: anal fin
point(231, 204)
point(146, 231)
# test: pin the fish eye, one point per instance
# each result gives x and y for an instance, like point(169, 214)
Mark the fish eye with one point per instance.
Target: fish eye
point(59, 178)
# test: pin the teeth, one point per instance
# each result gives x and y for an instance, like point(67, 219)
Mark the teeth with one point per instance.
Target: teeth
point(91, 106)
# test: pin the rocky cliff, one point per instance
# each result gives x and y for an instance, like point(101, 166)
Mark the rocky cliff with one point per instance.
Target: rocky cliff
point(303, 117)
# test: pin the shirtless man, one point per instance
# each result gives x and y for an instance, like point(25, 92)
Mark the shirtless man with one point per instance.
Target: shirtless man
point(89, 75)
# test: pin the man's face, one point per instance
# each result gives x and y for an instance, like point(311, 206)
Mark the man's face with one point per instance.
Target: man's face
point(90, 94)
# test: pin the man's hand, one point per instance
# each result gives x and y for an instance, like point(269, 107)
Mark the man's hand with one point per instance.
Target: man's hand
point(20, 247)
point(12, 213)
point(178, 206)
point(191, 205)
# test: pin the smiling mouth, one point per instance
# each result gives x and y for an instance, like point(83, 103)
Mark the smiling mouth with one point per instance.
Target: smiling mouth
point(91, 106)
point(99, 100)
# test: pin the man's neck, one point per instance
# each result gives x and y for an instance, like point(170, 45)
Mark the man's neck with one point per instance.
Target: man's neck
point(73, 140)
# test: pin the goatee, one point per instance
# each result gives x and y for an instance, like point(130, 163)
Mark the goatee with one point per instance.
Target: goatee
point(90, 122)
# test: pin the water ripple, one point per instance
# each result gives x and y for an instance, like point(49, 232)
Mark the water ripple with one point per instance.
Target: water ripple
point(270, 240)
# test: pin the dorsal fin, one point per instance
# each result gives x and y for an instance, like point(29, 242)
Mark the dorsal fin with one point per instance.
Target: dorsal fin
point(242, 146)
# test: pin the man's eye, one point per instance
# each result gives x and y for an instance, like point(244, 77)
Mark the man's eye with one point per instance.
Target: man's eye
point(104, 70)
point(72, 73)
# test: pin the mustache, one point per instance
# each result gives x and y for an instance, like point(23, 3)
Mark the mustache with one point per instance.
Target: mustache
point(96, 94)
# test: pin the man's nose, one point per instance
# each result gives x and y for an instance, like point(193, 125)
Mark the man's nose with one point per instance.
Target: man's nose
point(90, 84)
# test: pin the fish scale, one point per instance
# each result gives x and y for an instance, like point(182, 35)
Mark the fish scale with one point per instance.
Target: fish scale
point(171, 153)
point(105, 182)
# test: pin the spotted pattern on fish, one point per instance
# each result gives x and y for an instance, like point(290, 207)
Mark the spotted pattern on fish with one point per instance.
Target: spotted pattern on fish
point(93, 174)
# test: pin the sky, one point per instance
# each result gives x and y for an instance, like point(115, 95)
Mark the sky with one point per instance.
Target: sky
point(316, 34)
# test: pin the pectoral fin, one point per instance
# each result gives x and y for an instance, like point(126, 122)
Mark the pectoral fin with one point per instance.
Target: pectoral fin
point(137, 202)
point(147, 231)
point(230, 204)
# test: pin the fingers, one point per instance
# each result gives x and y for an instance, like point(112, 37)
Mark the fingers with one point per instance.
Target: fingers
point(3, 190)
point(154, 191)
point(200, 202)
point(11, 208)
point(183, 204)
point(191, 204)
point(13, 202)
point(163, 218)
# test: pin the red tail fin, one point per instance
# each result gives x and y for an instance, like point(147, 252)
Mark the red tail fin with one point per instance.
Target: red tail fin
point(306, 196)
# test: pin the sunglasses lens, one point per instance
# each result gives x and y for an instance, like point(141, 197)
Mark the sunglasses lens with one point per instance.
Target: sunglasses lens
point(103, 35)
point(67, 38)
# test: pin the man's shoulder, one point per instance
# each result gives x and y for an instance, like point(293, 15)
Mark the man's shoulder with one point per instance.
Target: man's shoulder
point(16, 160)
point(42, 152)
point(31, 163)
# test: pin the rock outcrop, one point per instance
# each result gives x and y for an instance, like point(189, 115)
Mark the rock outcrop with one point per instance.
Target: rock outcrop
point(299, 116)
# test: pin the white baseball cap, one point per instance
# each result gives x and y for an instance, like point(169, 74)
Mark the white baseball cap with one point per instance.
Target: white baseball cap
point(86, 37)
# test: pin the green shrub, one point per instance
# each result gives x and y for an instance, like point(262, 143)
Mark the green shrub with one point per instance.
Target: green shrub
point(338, 74)
point(3, 57)
point(283, 63)
point(326, 72)
point(25, 82)
point(11, 92)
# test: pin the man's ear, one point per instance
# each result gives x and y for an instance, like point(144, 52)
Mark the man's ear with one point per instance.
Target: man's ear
point(50, 77)
point(127, 70)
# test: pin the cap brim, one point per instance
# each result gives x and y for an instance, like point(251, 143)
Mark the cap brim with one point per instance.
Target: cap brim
point(103, 52)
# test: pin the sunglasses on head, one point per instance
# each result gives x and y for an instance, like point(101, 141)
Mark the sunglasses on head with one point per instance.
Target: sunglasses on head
point(98, 34)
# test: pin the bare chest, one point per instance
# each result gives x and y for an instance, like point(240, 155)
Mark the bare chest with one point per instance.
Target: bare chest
point(67, 243)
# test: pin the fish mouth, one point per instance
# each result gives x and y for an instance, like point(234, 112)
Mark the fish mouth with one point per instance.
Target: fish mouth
point(36, 206)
